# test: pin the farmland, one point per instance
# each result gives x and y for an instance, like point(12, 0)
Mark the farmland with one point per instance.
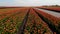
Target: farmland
point(35, 25)
point(11, 19)
point(27, 20)
point(52, 8)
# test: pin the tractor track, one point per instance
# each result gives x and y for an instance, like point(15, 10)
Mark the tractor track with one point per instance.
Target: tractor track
point(22, 27)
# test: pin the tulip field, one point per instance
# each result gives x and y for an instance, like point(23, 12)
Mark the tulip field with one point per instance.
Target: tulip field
point(11, 19)
point(52, 8)
point(27, 20)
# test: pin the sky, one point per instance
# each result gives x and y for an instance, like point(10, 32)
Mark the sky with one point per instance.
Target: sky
point(28, 2)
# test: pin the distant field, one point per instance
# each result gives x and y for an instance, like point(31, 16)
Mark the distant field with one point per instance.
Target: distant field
point(51, 8)
point(6, 9)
